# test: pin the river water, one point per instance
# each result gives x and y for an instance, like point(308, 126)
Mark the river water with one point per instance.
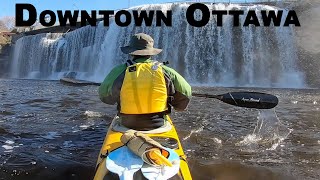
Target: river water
point(52, 131)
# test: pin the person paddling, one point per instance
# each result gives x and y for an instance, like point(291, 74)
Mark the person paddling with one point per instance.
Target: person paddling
point(144, 89)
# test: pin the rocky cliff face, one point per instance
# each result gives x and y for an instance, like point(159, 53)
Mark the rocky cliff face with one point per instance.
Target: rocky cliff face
point(4, 60)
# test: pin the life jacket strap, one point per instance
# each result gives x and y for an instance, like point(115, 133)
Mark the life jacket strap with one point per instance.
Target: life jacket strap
point(170, 99)
point(129, 63)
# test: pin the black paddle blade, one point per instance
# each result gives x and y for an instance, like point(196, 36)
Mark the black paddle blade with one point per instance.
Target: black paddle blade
point(250, 99)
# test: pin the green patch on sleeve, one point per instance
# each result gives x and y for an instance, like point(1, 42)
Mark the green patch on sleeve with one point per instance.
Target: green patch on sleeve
point(105, 88)
point(180, 84)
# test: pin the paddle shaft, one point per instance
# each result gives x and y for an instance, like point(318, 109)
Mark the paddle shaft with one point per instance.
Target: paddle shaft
point(207, 96)
point(245, 99)
point(242, 99)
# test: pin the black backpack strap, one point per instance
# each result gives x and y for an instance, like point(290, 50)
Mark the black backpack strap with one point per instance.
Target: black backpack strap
point(169, 100)
point(129, 63)
point(165, 63)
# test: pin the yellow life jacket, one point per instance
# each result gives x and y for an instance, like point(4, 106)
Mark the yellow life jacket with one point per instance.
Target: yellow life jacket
point(144, 89)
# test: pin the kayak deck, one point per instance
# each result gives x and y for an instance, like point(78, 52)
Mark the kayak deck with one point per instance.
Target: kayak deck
point(112, 142)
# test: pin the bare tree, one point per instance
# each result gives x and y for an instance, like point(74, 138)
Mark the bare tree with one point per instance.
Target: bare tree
point(7, 23)
point(3, 26)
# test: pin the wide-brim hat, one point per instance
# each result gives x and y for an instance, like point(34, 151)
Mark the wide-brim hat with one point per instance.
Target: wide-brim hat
point(141, 45)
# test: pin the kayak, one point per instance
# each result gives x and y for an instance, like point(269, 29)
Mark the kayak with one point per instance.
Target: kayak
point(77, 82)
point(116, 161)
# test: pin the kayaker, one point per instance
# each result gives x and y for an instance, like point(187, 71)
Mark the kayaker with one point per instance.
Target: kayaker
point(143, 89)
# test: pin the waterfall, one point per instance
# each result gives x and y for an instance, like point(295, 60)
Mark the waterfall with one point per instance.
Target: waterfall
point(210, 55)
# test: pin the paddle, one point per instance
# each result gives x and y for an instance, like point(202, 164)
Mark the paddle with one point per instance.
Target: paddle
point(245, 99)
point(242, 99)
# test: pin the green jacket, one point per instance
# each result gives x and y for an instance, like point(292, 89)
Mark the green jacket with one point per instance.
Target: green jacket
point(177, 86)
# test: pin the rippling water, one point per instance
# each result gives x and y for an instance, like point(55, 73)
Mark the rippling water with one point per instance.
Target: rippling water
point(53, 131)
